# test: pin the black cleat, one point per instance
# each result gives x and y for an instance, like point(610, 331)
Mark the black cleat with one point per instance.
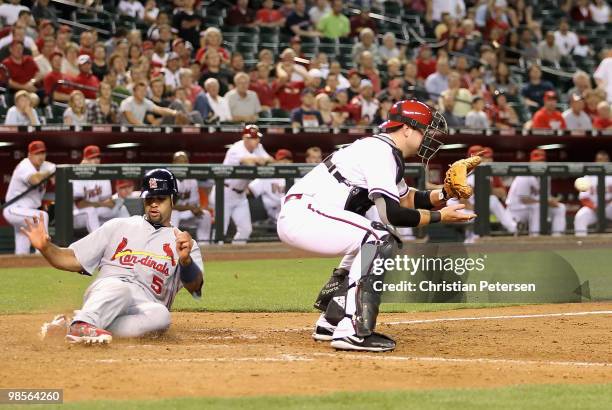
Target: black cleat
point(323, 334)
point(376, 342)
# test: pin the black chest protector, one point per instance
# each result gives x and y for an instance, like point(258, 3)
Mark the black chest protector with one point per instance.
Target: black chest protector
point(358, 200)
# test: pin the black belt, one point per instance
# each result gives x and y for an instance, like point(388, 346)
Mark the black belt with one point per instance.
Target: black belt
point(331, 168)
point(234, 189)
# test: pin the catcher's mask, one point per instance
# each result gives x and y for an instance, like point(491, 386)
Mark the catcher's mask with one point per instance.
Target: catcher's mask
point(420, 116)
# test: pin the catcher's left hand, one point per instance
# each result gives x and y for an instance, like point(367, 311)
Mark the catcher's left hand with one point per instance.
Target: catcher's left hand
point(455, 181)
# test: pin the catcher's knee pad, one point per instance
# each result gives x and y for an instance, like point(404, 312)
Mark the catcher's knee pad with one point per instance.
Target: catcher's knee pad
point(339, 275)
point(367, 298)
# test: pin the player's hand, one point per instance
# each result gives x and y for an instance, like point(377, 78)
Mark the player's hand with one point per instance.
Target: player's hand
point(452, 213)
point(183, 246)
point(36, 232)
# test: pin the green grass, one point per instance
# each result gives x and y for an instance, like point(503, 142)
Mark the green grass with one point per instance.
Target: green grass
point(533, 397)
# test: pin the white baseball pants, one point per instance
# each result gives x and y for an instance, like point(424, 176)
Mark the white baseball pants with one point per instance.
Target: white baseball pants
point(530, 214)
point(587, 216)
point(187, 219)
point(91, 218)
point(16, 216)
point(236, 207)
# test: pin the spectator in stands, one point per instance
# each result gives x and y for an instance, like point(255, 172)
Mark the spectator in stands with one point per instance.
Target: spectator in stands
point(394, 92)
point(70, 65)
point(43, 59)
point(365, 104)
point(503, 81)
point(103, 110)
point(580, 11)
point(151, 11)
point(43, 10)
point(157, 97)
point(565, 40)
point(23, 71)
point(18, 33)
point(314, 79)
point(86, 78)
point(528, 47)
point(22, 113)
point(237, 64)
point(435, 8)
point(438, 81)
point(306, 115)
point(367, 69)
point(336, 69)
point(582, 83)
point(218, 104)
point(324, 105)
point(393, 71)
point(548, 117)
point(503, 115)
point(240, 15)
point(603, 75)
point(267, 16)
point(477, 118)
point(362, 21)
point(548, 50)
point(592, 98)
point(187, 112)
point(321, 62)
point(212, 38)
point(244, 104)
point(335, 24)
point(462, 96)
point(134, 107)
point(471, 39)
point(214, 69)
point(426, 62)
point(447, 108)
point(159, 56)
point(298, 23)
point(345, 111)
point(76, 113)
point(389, 48)
point(533, 92)
point(192, 88)
point(171, 72)
point(603, 120)
point(98, 66)
point(287, 8)
point(86, 43)
point(575, 117)
point(314, 155)
point(50, 82)
point(10, 11)
point(187, 21)
point(131, 8)
point(600, 11)
point(316, 12)
point(263, 86)
point(288, 68)
point(45, 30)
point(367, 42)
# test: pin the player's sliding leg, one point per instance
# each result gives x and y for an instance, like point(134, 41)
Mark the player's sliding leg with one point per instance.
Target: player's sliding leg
point(142, 319)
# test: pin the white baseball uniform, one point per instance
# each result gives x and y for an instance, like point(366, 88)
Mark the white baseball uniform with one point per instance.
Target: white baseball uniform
point(529, 186)
point(314, 214)
point(190, 195)
point(587, 214)
point(271, 191)
point(27, 206)
point(236, 204)
point(95, 191)
point(138, 276)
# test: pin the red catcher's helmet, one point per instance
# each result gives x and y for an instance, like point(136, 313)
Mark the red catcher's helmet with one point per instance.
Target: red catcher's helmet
point(251, 131)
point(419, 116)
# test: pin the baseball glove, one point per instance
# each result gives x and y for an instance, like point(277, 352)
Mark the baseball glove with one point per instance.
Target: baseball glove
point(455, 181)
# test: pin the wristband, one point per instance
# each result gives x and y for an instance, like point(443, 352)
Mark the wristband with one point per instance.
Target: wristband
point(434, 217)
point(190, 272)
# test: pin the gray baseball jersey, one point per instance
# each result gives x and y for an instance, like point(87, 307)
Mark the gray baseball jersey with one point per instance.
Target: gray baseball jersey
point(133, 250)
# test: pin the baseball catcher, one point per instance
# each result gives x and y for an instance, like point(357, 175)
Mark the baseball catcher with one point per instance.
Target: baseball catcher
point(142, 261)
point(323, 213)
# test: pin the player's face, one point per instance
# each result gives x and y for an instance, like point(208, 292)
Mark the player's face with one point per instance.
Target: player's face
point(412, 141)
point(250, 143)
point(602, 157)
point(37, 159)
point(158, 209)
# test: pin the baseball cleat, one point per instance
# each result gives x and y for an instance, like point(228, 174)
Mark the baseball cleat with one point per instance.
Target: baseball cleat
point(81, 332)
point(58, 327)
point(323, 334)
point(376, 342)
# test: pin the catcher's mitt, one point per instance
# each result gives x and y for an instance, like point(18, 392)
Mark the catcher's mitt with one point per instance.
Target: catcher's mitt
point(455, 181)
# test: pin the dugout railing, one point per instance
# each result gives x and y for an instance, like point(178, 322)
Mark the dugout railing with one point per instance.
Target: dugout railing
point(544, 172)
point(219, 173)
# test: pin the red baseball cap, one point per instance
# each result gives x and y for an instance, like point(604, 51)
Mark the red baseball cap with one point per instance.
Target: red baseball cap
point(537, 155)
point(550, 95)
point(283, 154)
point(474, 149)
point(36, 147)
point(488, 152)
point(123, 183)
point(91, 151)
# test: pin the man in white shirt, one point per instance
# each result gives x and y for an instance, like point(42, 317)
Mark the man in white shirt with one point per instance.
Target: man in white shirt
point(320, 8)
point(31, 171)
point(603, 75)
point(247, 151)
point(171, 72)
point(456, 9)
point(10, 11)
point(218, 104)
point(565, 40)
point(272, 190)
point(575, 117)
point(135, 107)
point(132, 8)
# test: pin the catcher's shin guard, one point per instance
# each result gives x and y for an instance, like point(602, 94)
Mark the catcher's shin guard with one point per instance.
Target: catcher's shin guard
point(336, 301)
point(367, 298)
point(338, 277)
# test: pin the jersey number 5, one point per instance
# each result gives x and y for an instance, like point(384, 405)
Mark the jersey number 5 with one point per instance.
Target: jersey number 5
point(157, 284)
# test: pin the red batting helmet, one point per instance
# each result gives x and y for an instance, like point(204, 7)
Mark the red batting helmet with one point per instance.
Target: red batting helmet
point(420, 116)
point(252, 131)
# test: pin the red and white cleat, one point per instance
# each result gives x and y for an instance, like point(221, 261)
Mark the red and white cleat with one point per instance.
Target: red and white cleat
point(81, 332)
point(55, 329)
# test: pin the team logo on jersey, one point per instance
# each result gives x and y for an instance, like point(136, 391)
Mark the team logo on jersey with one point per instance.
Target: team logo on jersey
point(153, 183)
point(129, 257)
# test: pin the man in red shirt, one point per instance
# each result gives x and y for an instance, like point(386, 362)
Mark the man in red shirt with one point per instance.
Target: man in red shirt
point(86, 43)
point(240, 15)
point(45, 29)
point(23, 70)
point(86, 77)
point(426, 63)
point(267, 16)
point(603, 119)
point(61, 93)
point(264, 87)
point(548, 117)
point(288, 93)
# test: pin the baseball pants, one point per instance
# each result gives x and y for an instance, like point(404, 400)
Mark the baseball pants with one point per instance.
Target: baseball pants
point(123, 308)
point(187, 219)
point(91, 218)
point(306, 224)
point(16, 216)
point(587, 216)
point(236, 207)
point(530, 214)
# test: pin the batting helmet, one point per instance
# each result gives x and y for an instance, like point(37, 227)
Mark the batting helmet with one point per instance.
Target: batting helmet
point(420, 116)
point(159, 182)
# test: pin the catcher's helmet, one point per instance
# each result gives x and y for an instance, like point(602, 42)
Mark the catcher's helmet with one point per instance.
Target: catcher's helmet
point(252, 131)
point(159, 182)
point(420, 116)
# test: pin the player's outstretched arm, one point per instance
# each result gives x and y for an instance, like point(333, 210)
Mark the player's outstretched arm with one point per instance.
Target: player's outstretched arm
point(60, 258)
point(391, 212)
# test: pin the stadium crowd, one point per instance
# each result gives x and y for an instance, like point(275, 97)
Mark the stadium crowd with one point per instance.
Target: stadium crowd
point(483, 63)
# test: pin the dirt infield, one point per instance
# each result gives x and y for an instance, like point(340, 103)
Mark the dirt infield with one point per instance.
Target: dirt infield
point(237, 354)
